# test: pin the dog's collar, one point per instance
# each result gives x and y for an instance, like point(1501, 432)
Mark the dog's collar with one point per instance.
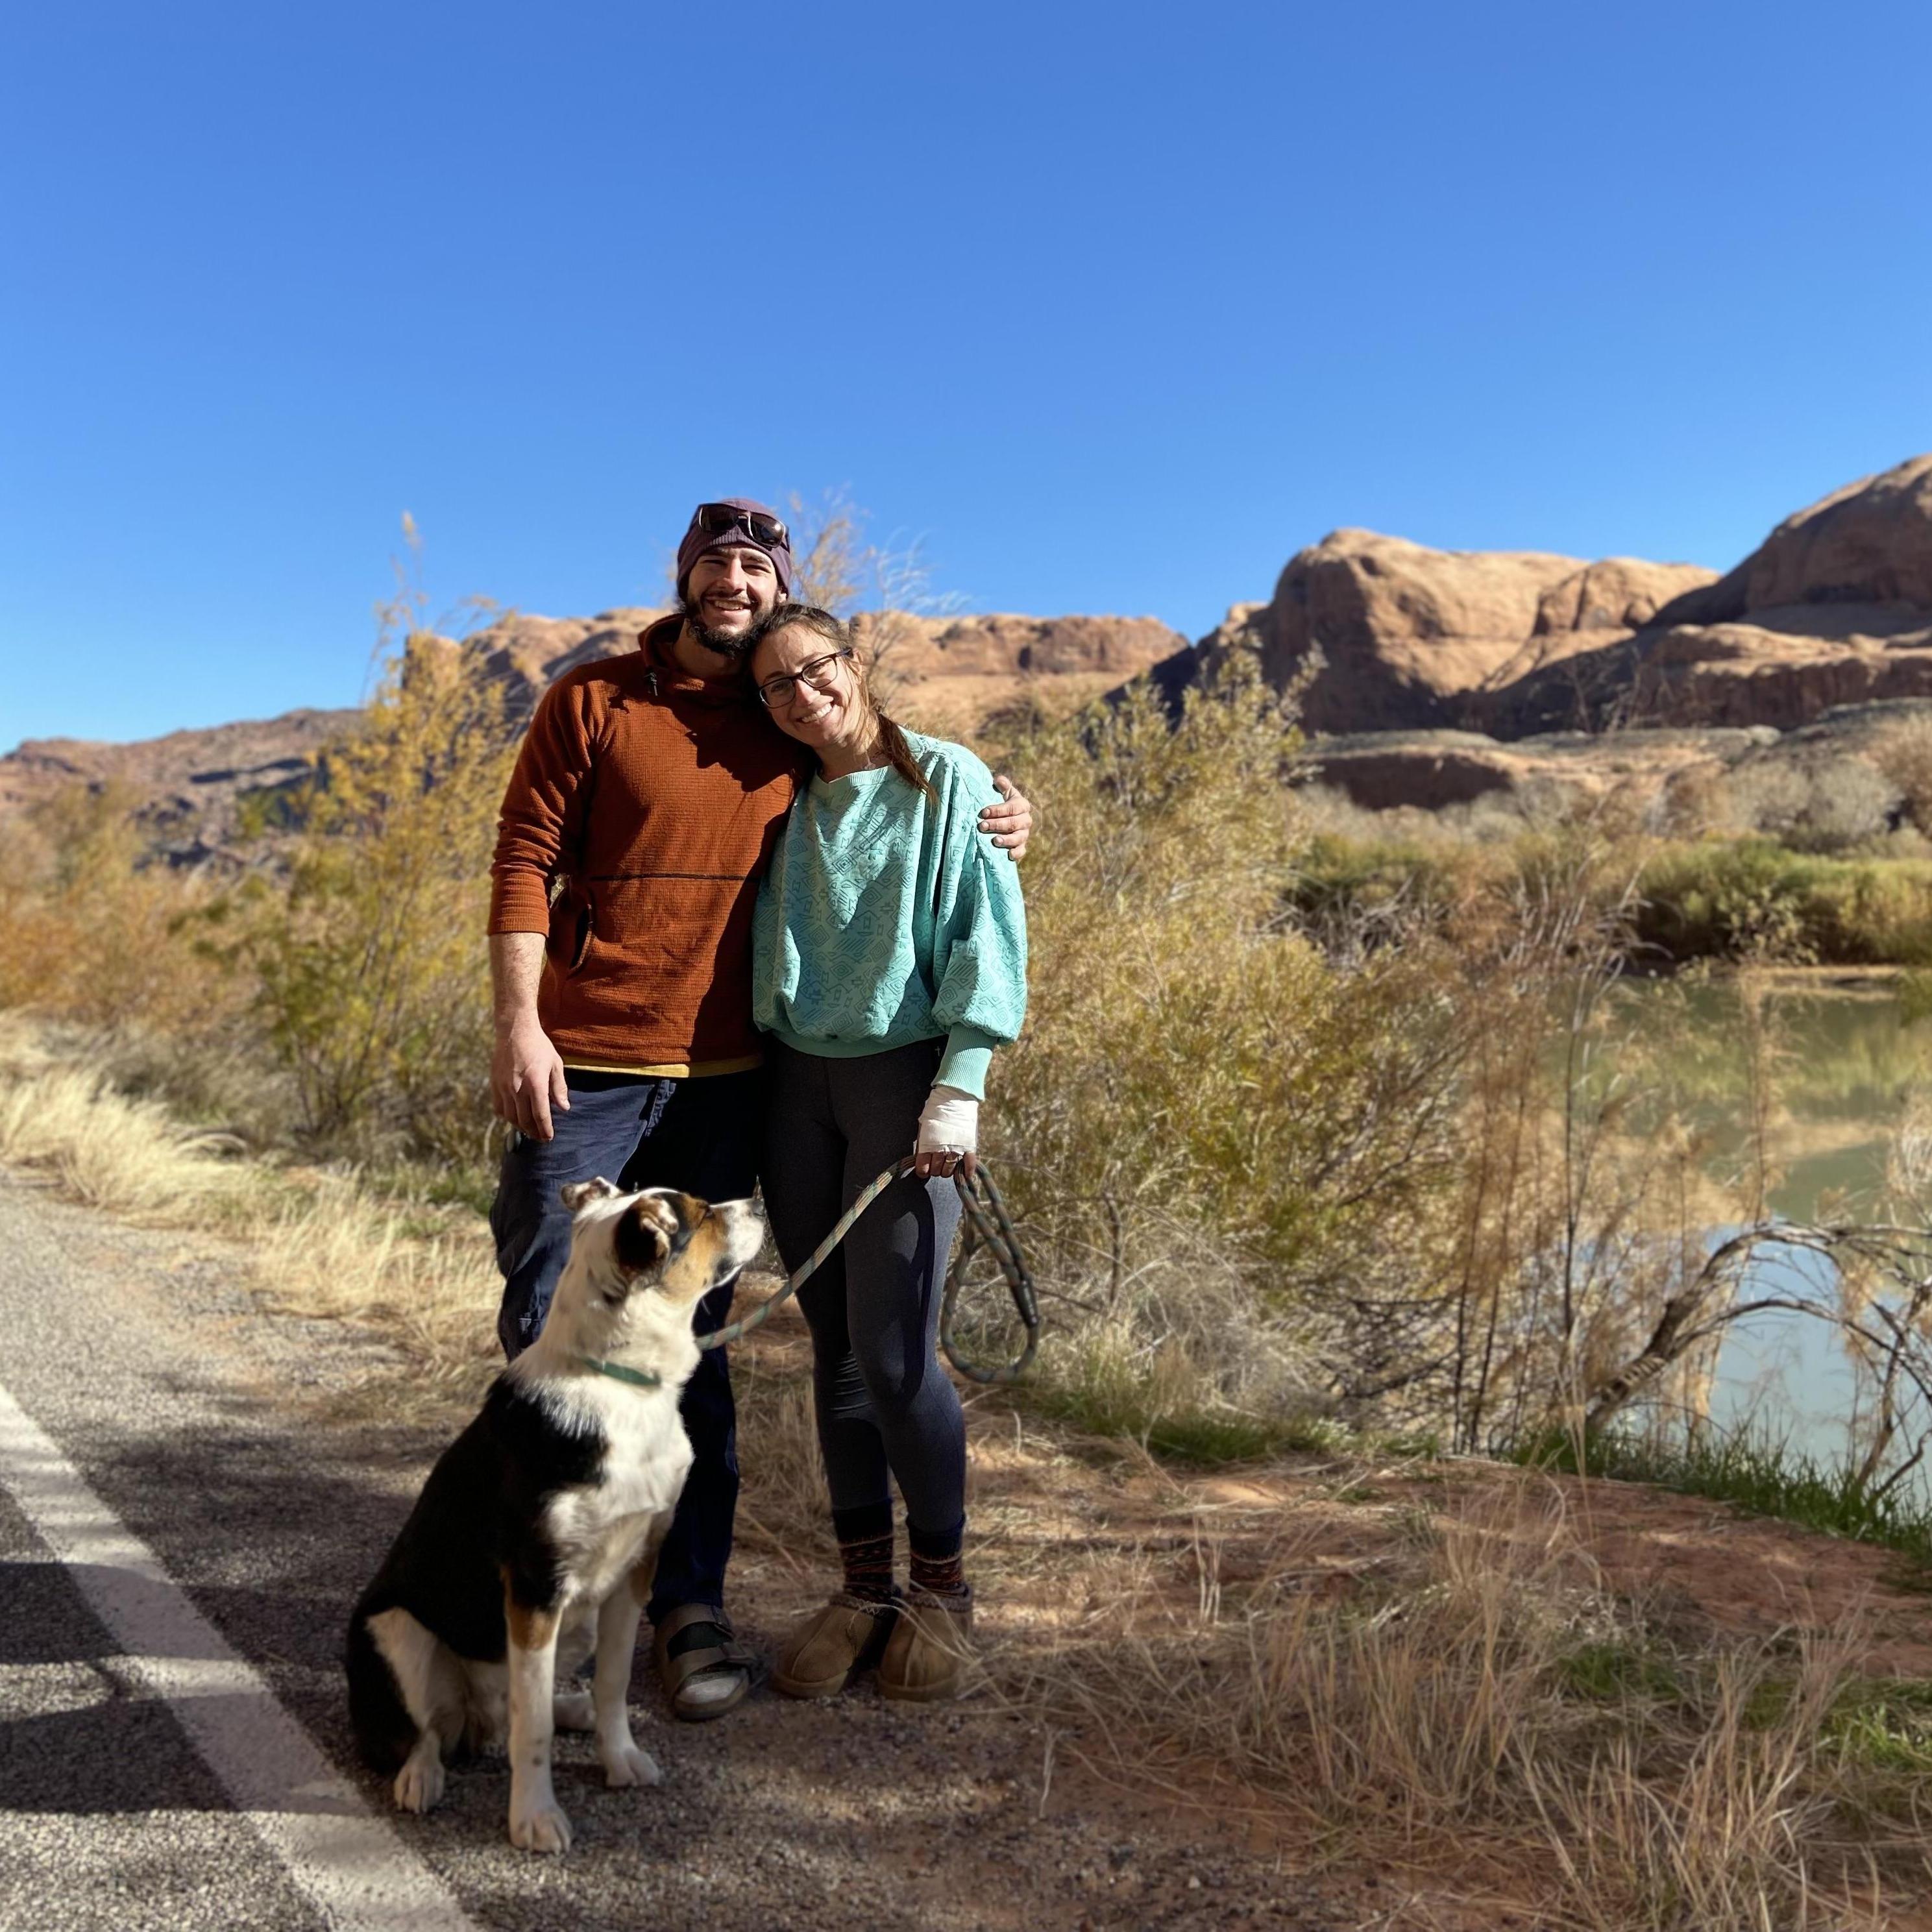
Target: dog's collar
point(643, 1378)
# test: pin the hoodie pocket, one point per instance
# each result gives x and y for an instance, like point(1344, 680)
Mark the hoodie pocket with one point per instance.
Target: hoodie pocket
point(573, 919)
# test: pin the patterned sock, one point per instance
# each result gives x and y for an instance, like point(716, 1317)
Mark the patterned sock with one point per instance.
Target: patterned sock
point(937, 1565)
point(865, 1550)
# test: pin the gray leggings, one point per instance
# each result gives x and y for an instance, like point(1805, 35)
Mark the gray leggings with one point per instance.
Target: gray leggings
point(883, 1403)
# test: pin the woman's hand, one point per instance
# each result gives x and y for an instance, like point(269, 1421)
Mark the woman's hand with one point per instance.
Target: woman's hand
point(942, 1162)
point(949, 1131)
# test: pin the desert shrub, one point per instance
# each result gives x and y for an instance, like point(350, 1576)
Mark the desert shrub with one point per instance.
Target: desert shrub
point(1829, 805)
point(1903, 754)
point(1346, 892)
point(89, 932)
point(1207, 1111)
point(1744, 898)
point(371, 977)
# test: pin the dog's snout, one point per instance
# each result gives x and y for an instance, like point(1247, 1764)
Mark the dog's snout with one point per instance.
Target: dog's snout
point(744, 1232)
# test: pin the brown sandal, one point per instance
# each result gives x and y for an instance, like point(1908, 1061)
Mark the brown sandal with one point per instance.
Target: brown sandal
point(705, 1681)
point(832, 1645)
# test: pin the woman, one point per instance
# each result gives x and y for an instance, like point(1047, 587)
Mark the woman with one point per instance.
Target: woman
point(890, 960)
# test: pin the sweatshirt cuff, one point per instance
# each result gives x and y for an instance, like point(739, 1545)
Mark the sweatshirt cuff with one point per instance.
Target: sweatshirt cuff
point(969, 1053)
point(519, 902)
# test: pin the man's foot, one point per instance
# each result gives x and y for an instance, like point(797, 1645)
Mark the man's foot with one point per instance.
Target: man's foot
point(705, 1671)
point(930, 1649)
point(832, 1644)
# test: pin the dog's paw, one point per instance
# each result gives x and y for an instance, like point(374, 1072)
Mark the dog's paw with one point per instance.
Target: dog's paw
point(419, 1783)
point(572, 1711)
point(631, 1766)
point(544, 1828)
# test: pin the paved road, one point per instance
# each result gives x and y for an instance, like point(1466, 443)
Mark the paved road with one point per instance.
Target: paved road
point(185, 1515)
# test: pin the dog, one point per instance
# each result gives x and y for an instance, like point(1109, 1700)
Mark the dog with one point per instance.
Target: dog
point(535, 1537)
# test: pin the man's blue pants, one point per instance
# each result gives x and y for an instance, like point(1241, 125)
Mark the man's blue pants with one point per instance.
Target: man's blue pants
point(702, 1135)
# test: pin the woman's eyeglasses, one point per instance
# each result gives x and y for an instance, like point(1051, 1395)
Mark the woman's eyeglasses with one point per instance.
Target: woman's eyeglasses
point(718, 520)
point(821, 673)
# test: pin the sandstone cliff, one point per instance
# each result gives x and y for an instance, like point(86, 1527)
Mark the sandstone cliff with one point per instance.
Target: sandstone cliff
point(1390, 635)
point(1834, 608)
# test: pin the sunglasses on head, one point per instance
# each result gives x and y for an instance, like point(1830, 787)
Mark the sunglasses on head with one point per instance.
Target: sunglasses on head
point(719, 519)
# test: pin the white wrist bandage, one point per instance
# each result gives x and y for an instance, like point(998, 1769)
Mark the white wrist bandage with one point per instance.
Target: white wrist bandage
point(949, 1124)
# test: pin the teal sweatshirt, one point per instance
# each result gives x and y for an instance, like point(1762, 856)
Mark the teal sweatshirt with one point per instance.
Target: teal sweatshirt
point(887, 917)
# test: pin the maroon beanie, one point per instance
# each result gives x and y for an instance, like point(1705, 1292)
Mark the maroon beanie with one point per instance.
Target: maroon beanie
point(698, 541)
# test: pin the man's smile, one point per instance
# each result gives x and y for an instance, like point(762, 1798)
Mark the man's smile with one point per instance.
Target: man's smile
point(727, 603)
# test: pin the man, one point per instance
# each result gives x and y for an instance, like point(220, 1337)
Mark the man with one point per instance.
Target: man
point(645, 800)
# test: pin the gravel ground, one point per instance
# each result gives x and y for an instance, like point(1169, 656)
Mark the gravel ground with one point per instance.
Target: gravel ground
point(232, 1443)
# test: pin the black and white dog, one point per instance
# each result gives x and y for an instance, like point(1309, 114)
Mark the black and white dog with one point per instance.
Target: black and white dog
point(536, 1534)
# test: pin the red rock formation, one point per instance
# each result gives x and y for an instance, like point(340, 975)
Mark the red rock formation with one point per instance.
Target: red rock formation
point(1833, 607)
point(1406, 635)
point(1000, 645)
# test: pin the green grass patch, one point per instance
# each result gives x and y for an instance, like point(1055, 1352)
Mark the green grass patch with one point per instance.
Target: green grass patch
point(1749, 898)
point(1758, 1473)
point(1609, 1672)
point(1884, 1723)
point(1201, 1437)
point(1755, 898)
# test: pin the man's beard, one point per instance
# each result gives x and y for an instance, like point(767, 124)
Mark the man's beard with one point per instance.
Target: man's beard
point(735, 644)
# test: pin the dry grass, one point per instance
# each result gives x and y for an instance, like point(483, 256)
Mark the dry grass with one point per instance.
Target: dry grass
point(327, 1249)
point(129, 1157)
point(1482, 1707)
point(783, 1510)
point(426, 1282)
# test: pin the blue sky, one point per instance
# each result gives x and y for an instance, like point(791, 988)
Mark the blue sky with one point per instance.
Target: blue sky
point(1115, 306)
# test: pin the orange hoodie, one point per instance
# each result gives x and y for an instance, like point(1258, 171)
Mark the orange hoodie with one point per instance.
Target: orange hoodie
point(644, 807)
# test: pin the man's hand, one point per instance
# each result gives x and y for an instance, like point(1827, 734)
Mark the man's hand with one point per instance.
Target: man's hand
point(526, 1080)
point(1009, 823)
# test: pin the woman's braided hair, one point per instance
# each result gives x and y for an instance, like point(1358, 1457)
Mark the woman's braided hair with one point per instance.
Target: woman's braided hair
point(891, 736)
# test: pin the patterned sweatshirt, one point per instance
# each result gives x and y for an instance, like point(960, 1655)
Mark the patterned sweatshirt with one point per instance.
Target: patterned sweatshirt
point(887, 917)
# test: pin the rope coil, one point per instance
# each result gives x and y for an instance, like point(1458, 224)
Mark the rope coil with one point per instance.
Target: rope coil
point(985, 1223)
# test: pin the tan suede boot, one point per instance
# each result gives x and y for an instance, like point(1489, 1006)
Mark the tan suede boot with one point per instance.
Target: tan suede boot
point(930, 1648)
point(837, 1640)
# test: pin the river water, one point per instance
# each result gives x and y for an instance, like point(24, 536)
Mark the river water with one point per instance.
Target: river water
point(1845, 1065)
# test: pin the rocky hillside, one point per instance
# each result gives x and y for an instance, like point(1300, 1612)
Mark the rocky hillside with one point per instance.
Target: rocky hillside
point(187, 789)
point(192, 790)
point(1834, 607)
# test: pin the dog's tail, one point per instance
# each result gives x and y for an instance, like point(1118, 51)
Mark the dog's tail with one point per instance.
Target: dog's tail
point(385, 1733)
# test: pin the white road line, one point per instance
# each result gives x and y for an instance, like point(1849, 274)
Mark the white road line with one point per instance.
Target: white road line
point(348, 1861)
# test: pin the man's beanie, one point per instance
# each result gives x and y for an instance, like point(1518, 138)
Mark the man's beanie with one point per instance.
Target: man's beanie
point(697, 542)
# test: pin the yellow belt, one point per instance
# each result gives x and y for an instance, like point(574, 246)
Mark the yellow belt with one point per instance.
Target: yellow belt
point(679, 1069)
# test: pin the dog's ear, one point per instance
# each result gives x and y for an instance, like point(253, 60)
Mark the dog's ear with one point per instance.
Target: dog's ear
point(578, 1195)
point(644, 1236)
